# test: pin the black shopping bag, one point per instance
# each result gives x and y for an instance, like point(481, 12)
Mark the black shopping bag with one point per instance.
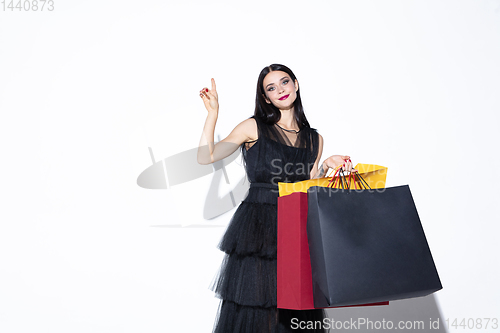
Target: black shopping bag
point(367, 246)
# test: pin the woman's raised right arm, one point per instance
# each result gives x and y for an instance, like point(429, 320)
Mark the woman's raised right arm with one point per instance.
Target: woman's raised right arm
point(208, 152)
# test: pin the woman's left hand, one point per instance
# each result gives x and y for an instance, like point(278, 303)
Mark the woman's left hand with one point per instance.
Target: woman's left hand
point(335, 160)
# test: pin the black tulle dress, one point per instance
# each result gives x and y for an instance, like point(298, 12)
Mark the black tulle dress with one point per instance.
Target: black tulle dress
point(246, 282)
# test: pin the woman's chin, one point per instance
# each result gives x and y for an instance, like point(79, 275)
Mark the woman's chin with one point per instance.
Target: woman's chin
point(284, 106)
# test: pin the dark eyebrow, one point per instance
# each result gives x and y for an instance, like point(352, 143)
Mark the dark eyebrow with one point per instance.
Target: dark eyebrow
point(284, 77)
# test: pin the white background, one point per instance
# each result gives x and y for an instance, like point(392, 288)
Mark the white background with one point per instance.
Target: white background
point(85, 89)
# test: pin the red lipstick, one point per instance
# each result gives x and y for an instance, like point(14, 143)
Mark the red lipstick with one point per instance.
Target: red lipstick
point(284, 97)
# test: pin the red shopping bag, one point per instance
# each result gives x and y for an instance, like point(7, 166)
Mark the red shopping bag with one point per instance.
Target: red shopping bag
point(294, 276)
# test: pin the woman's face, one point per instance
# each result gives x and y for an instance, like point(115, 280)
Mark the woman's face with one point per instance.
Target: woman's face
point(280, 90)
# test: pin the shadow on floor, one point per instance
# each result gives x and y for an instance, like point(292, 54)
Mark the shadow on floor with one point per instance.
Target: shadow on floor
point(420, 314)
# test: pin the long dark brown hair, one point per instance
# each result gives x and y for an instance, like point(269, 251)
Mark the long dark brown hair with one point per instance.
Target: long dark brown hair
point(270, 114)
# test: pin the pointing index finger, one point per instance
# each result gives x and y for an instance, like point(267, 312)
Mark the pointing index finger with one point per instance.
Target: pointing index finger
point(213, 84)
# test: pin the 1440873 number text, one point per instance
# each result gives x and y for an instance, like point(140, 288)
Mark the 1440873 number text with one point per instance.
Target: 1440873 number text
point(28, 5)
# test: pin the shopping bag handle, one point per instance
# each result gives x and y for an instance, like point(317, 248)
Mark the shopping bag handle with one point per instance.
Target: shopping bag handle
point(346, 183)
point(362, 180)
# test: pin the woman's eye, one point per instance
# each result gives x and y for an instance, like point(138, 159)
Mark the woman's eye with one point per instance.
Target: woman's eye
point(285, 82)
point(270, 89)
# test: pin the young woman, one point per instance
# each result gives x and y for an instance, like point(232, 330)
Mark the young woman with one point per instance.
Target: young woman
point(278, 145)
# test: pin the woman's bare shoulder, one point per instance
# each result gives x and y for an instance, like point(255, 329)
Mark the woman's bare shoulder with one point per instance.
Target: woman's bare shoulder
point(249, 128)
point(245, 131)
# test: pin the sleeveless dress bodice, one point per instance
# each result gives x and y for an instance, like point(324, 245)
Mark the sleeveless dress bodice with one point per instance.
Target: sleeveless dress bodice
point(280, 155)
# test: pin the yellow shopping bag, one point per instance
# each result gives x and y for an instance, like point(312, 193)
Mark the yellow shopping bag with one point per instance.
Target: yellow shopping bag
point(373, 174)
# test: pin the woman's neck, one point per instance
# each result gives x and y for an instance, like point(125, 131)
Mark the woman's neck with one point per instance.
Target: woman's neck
point(287, 120)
